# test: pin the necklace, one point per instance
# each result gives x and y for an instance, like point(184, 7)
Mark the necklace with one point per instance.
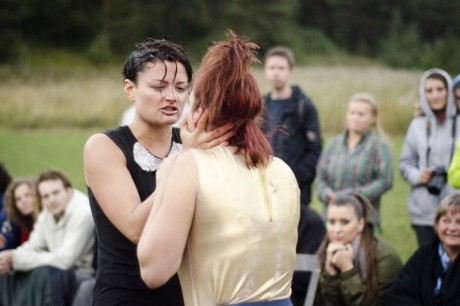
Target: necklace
point(149, 162)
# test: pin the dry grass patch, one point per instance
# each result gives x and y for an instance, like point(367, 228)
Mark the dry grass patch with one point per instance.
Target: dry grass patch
point(96, 98)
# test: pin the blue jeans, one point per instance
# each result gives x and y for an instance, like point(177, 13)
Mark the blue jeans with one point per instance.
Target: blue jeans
point(283, 302)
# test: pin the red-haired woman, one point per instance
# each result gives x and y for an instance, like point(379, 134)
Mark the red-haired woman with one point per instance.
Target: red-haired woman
point(232, 210)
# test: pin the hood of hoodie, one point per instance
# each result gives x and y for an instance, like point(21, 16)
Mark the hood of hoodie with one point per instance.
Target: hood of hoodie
point(451, 109)
point(455, 81)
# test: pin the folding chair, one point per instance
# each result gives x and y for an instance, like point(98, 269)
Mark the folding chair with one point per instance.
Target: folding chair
point(309, 263)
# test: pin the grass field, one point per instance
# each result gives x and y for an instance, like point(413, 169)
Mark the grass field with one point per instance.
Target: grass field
point(47, 115)
point(27, 152)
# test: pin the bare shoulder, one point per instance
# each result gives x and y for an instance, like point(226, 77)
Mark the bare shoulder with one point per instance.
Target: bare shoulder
point(186, 159)
point(96, 141)
point(100, 144)
point(100, 153)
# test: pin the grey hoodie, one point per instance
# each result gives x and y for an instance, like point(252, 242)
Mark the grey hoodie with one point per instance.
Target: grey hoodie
point(424, 131)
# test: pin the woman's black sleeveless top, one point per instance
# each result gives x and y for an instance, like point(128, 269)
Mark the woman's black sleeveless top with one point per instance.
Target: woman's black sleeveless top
point(118, 280)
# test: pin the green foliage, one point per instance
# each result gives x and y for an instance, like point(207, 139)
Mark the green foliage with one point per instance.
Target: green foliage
point(427, 32)
point(27, 153)
point(402, 47)
point(72, 23)
point(435, 19)
point(312, 41)
point(444, 53)
point(12, 14)
point(357, 25)
point(99, 51)
point(267, 23)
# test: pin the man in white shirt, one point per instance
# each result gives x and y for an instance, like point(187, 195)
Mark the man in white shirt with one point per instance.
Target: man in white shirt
point(62, 238)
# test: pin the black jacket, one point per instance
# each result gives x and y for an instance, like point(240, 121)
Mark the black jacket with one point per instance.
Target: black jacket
point(298, 141)
point(415, 284)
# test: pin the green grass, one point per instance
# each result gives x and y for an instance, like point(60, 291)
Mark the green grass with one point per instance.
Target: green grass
point(28, 152)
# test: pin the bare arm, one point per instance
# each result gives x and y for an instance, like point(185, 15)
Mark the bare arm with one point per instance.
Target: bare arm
point(165, 234)
point(110, 181)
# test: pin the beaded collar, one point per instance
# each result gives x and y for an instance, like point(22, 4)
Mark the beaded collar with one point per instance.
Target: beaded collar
point(149, 162)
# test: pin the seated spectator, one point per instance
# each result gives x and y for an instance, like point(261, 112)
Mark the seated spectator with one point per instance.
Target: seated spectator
point(432, 275)
point(5, 179)
point(311, 233)
point(84, 295)
point(357, 266)
point(58, 252)
point(21, 210)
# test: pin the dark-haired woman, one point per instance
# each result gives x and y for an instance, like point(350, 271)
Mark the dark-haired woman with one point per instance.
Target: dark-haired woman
point(357, 267)
point(121, 165)
point(234, 212)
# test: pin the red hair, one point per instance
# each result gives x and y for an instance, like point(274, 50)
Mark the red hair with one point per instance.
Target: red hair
point(226, 87)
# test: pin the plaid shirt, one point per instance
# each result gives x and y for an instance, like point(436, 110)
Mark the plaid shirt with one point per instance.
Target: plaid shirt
point(367, 170)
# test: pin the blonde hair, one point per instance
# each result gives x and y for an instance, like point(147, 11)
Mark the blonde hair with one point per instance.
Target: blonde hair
point(372, 102)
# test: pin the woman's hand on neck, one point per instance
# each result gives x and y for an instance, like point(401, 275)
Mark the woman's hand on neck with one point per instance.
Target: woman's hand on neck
point(203, 134)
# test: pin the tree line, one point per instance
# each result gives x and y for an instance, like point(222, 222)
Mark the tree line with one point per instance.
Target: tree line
point(410, 33)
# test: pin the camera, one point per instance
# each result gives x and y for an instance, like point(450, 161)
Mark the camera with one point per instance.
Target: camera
point(437, 181)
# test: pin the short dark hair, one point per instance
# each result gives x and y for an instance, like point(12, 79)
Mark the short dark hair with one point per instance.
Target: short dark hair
point(281, 51)
point(151, 51)
point(5, 178)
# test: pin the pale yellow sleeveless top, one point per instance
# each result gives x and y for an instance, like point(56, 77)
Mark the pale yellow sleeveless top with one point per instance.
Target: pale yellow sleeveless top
point(241, 246)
